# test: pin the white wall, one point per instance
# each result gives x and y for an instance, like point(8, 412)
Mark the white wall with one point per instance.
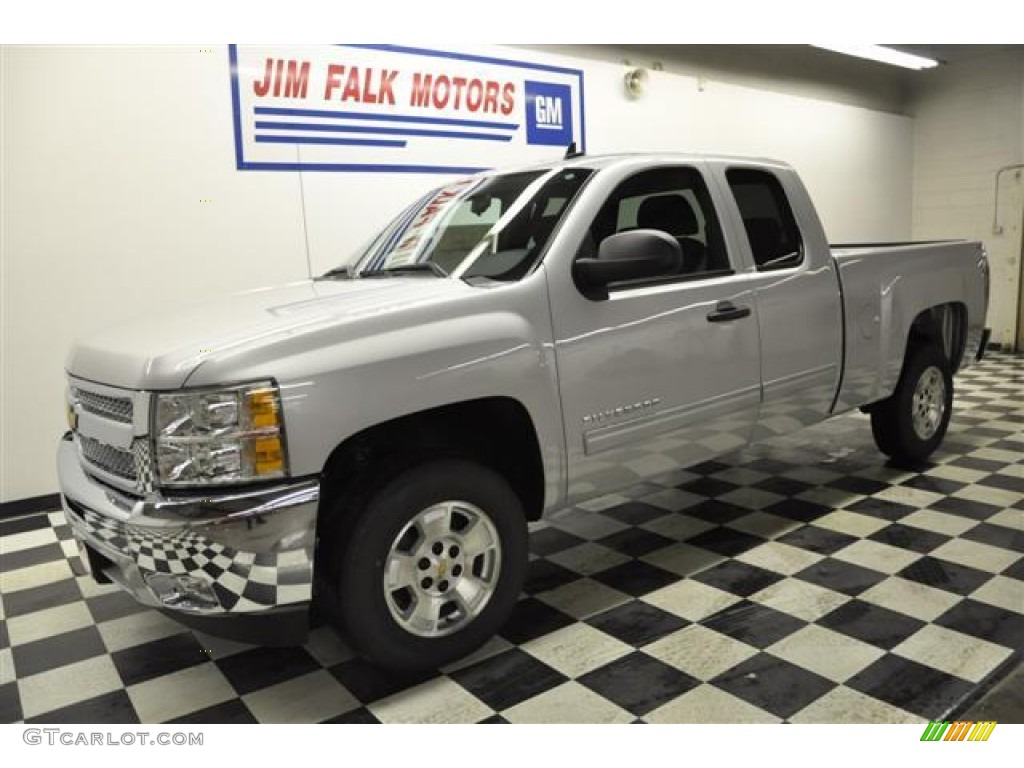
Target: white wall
point(111, 154)
point(968, 123)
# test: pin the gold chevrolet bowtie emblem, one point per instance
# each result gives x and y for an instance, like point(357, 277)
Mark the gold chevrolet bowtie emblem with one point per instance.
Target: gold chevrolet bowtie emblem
point(442, 568)
point(72, 418)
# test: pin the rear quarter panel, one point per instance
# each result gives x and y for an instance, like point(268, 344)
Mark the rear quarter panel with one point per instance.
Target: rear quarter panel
point(884, 289)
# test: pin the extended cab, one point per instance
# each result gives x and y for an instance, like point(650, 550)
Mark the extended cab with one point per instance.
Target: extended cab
point(374, 441)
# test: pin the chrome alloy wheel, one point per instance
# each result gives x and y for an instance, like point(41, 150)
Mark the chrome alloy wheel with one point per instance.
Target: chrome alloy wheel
point(442, 569)
point(929, 403)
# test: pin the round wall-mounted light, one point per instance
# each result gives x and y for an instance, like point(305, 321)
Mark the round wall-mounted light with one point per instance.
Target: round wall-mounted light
point(634, 82)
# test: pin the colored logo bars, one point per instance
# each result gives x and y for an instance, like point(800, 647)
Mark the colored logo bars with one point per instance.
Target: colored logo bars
point(958, 731)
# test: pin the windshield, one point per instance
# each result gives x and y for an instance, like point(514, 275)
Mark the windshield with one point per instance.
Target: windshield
point(492, 228)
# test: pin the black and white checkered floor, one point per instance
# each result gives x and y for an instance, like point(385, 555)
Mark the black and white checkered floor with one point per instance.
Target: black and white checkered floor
point(799, 580)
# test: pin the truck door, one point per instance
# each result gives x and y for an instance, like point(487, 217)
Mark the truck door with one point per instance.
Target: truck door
point(664, 372)
point(796, 291)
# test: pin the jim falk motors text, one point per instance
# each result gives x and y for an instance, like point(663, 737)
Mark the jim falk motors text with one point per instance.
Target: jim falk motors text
point(343, 83)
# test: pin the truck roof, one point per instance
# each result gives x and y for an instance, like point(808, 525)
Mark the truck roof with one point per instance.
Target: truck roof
point(641, 158)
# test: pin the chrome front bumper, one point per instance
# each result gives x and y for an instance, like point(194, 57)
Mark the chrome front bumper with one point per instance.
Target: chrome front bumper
point(245, 555)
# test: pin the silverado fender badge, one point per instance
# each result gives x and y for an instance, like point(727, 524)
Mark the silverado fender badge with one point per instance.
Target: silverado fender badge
point(622, 410)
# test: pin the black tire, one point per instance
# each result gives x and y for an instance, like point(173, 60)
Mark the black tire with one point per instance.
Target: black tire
point(892, 420)
point(362, 606)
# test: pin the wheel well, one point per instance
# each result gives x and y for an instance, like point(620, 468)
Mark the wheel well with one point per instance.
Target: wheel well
point(944, 325)
point(496, 431)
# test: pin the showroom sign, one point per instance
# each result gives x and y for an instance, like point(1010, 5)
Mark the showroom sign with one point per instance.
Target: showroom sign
point(391, 108)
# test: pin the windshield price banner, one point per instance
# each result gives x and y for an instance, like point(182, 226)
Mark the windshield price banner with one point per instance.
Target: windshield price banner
point(389, 108)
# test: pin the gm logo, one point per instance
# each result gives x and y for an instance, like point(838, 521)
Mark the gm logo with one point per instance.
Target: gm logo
point(548, 114)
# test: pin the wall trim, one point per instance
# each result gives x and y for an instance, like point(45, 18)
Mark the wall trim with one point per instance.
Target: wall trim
point(49, 502)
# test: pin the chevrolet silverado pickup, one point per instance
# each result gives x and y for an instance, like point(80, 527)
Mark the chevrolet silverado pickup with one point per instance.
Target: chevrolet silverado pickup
point(373, 442)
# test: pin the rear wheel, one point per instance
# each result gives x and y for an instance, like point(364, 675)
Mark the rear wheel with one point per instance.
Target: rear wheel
point(432, 565)
point(911, 423)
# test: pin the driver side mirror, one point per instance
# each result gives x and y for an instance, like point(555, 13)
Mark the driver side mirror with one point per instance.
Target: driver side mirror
point(631, 255)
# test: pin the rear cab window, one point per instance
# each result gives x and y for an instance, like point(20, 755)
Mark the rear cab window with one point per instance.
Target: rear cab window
point(768, 219)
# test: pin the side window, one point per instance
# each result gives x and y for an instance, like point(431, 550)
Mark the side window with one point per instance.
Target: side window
point(771, 227)
point(674, 200)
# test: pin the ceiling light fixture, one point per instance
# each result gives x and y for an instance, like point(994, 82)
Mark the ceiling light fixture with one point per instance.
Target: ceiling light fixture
point(884, 55)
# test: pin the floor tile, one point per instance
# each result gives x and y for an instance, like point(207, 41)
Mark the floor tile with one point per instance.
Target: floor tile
point(588, 558)
point(47, 623)
point(691, 599)
point(262, 667)
point(910, 538)
point(158, 658)
point(738, 578)
point(910, 598)
point(773, 685)
point(953, 652)
point(778, 557)
point(49, 690)
point(137, 629)
point(707, 704)
point(939, 522)
point(945, 575)
point(532, 618)
point(830, 654)
point(850, 523)
point(10, 703)
point(570, 702)
point(683, 559)
point(543, 575)
point(878, 557)
point(634, 512)
point(637, 623)
point(754, 624)
point(576, 649)
point(871, 623)
point(820, 540)
point(57, 651)
point(359, 716)
point(634, 542)
point(638, 683)
point(113, 707)
point(115, 605)
point(26, 558)
point(550, 540)
point(725, 541)
point(988, 622)
point(764, 525)
point(840, 576)
point(507, 679)
point(635, 578)
point(970, 509)
point(40, 598)
point(799, 598)
point(997, 536)
point(845, 705)
point(30, 539)
point(578, 600)
point(700, 652)
point(984, 557)
point(1002, 593)
point(232, 712)
point(916, 688)
point(881, 508)
point(36, 576)
point(310, 698)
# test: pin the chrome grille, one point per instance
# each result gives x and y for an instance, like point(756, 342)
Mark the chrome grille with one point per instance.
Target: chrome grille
point(108, 458)
point(113, 408)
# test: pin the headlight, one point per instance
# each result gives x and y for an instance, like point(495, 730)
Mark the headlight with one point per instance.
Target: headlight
point(223, 435)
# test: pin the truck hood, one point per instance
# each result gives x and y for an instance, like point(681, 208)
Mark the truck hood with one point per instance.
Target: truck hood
point(161, 351)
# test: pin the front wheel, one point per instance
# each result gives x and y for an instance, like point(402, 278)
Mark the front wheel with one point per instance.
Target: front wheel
point(911, 423)
point(432, 566)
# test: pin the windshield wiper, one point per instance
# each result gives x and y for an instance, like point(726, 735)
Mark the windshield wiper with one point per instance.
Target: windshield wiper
point(400, 269)
point(344, 272)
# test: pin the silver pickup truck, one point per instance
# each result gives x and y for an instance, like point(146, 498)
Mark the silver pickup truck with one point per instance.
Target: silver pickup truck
point(373, 442)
